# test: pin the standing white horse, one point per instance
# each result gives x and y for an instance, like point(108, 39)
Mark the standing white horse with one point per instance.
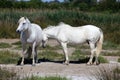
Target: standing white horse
point(66, 34)
point(31, 35)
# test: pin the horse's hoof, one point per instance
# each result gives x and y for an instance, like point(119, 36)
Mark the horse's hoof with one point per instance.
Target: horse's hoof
point(89, 63)
point(66, 63)
point(33, 64)
point(21, 64)
point(96, 63)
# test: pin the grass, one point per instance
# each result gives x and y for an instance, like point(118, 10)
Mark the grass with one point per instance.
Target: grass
point(45, 78)
point(5, 45)
point(80, 56)
point(16, 43)
point(51, 55)
point(107, 73)
point(7, 57)
point(110, 45)
point(111, 53)
point(6, 74)
point(119, 59)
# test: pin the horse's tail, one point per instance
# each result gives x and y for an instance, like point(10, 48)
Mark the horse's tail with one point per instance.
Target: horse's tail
point(99, 43)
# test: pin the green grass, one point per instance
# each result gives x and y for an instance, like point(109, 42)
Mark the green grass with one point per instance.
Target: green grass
point(119, 59)
point(16, 43)
point(82, 57)
point(111, 45)
point(7, 57)
point(5, 45)
point(111, 53)
point(77, 55)
point(102, 59)
point(51, 55)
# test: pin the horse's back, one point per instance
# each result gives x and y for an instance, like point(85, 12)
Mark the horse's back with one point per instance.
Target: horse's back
point(78, 34)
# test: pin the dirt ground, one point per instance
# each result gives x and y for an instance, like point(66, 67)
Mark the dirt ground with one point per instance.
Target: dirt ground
point(74, 71)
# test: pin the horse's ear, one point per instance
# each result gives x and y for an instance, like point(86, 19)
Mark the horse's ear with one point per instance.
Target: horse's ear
point(27, 19)
point(21, 16)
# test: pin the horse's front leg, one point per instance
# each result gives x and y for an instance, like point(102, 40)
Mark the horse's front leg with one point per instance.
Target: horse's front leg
point(36, 60)
point(64, 46)
point(23, 53)
point(33, 53)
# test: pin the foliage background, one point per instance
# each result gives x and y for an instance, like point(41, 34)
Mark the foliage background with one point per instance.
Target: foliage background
point(105, 14)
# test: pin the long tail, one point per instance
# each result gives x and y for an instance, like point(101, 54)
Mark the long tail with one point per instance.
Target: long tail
point(100, 42)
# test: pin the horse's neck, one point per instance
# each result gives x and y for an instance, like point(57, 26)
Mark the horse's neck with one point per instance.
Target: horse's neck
point(28, 32)
point(52, 33)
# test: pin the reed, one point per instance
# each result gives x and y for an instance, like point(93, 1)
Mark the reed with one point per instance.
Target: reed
point(109, 22)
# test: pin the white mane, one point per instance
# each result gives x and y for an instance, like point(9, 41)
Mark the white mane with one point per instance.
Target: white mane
point(49, 27)
point(21, 19)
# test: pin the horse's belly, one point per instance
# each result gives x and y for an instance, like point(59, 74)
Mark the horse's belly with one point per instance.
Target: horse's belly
point(77, 41)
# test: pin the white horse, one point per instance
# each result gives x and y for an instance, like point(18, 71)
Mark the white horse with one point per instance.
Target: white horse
point(31, 35)
point(66, 34)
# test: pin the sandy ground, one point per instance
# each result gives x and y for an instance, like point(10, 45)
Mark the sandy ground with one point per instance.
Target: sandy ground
point(74, 71)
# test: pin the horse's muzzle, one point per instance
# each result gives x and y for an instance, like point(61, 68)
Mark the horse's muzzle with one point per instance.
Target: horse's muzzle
point(18, 31)
point(43, 44)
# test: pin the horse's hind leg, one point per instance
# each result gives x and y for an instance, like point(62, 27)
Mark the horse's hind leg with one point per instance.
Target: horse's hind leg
point(29, 52)
point(92, 46)
point(64, 46)
point(96, 56)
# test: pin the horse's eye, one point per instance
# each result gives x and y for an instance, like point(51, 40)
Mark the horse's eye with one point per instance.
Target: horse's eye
point(23, 23)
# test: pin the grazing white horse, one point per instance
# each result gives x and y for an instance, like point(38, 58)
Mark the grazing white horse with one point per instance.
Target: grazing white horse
point(31, 35)
point(66, 34)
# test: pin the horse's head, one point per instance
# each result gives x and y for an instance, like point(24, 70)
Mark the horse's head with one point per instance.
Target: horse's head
point(44, 40)
point(23, 24)
point(48, 32)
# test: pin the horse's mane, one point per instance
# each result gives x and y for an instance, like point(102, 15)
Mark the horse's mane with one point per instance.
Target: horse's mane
point(49, 27)
point(59, 25)
point(22, 19)
point(64, 24)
